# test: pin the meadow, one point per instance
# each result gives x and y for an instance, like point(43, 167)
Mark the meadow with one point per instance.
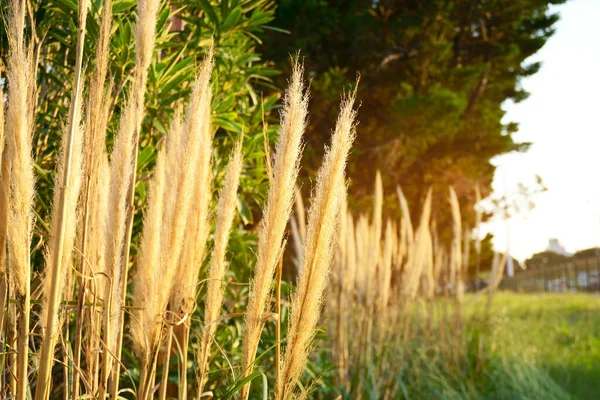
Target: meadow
point(559, 333)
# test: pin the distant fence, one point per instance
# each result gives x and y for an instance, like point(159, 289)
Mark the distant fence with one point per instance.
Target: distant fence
point(581, 275)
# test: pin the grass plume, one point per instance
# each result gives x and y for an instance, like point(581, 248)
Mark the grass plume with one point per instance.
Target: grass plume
point(457, 254)
point(4, 182)
point(196, 221)
point(319, 249)
point(122, 185)
point(164, 231)
point(146, 325)
point(19, 111)
point(94, 210)
point(215, 292)
point(276, 214)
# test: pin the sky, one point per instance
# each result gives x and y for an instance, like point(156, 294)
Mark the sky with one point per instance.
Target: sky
point(561, 118)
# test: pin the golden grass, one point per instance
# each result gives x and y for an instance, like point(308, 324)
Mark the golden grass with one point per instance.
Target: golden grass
point(216, 275)
point(319, 250)
point(164, 227)
point(19, 152)
point(3, 213)
point(381, 268)
point(59, 254)
point(196, 190)
point(371, 331)
point(146, 328)
point(122, 185)
point(18, 131)
point(456, 255)
point(276, 214)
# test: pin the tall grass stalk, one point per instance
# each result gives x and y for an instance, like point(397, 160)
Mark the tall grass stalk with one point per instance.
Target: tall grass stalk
point(385, 269)
point(375, 236)
point(19, 117)
point(144, 39)
point(64, 219)
point(183, 295)
point(3, 222)
point(123, 179)
point(319, 250)
point(167, 216)
point(339, 281)
point(276, 215)
point(457, 255)
point(92, 224)
point(216, 276)
point(418, 252)
point(147, 318)
point(146, 335)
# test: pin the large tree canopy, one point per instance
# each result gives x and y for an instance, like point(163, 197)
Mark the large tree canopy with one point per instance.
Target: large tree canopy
point(434, 75)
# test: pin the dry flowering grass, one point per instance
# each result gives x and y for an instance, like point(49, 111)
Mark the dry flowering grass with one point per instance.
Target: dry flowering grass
point(90, 232)
point(276, 214)
point(365, 272)
point(323, 218)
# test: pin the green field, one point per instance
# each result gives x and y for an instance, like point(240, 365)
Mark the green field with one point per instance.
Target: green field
point(558, 333)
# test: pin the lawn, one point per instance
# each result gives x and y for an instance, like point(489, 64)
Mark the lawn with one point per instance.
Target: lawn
point(558, 333)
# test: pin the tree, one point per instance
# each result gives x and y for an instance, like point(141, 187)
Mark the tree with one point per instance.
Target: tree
point(434, 75)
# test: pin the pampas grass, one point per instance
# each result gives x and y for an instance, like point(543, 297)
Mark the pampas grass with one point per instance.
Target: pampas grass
point(95, 181)
point(64, 218)
point(385, 279)
point(372, 346)
point(162, 245)
point(19, 152)
point(385, 269)
point(197, 223)
point(374, 246)
point(19, 113)
point(216, 276)
point(94, 210)
point(418, 258)
point(3, 214)
point(457, 255)
point(185, 166)
point(122, 186)
point(145, 332)
point(318, 254)
point(276, 214)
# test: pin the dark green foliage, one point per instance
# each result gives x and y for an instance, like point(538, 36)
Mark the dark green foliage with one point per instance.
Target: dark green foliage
point(545, 258)
point(587, 253)
point(434, 75)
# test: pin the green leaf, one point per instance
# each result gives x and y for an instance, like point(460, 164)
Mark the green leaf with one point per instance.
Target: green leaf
point(210, 12)
point(244, 211)
point(246, 380)
point(122, 6)
point(145, 156)
point(227, 124)
point(274, 28)
point(232, 18)
point(141, 190)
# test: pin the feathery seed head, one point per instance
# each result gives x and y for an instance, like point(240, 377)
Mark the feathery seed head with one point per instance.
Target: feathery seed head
point(319, 249)
point(277, 211)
